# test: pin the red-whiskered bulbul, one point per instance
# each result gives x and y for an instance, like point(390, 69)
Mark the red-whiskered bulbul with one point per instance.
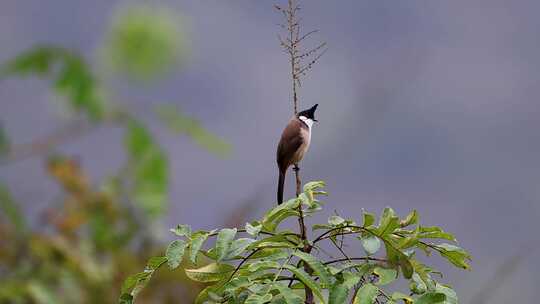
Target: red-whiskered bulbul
point(293, 144)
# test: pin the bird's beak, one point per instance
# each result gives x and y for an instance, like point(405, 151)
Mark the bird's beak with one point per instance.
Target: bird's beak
point(315, 120)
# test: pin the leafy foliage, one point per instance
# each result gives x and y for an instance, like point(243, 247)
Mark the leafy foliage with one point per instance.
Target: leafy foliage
point(148, 166)
point(145, 41)
point(265, 264)
point(71, 76)
point(180, 123)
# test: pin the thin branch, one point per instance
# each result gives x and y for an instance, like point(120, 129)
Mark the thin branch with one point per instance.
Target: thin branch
point(68, 133)
point(355, 259)
point(242, 263)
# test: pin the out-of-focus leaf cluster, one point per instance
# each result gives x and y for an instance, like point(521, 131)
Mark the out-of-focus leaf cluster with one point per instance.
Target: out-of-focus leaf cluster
point(265, 264)
point(145, 42)
point(71, 76)
point(79, 250)
point(82, 249)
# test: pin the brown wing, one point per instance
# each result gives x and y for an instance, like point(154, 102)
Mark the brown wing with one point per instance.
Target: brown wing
point(289, 143)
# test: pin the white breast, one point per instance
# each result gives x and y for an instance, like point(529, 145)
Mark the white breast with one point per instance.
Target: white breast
point(306, 135)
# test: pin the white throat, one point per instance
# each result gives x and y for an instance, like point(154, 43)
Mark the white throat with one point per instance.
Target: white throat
point(307, 121)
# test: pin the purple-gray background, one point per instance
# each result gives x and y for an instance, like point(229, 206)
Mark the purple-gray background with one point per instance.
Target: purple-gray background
point(430, 105)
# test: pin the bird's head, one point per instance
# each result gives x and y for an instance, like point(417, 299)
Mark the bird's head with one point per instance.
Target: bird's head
point(308, 114)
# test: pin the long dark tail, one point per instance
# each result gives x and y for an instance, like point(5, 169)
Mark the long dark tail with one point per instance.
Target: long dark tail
point(281, 182)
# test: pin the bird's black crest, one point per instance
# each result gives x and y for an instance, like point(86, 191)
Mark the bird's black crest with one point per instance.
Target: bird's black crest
point(309, 113)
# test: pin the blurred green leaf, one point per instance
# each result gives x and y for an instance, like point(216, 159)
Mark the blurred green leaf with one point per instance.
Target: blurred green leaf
point(72, 77)
point(11, 210)
point(4, 141)
point(145, 41)
point(150, 169)
point(180, 123)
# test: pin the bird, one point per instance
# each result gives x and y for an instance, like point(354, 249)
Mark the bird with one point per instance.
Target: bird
point(294, 144)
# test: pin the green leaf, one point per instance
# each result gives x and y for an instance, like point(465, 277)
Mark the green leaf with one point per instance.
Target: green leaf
point(366, 294)
point(396, 296)
point(321, 227)
point(155, 262)
point(182, 230)
point(396, 257)
point(275, 241)
point(368, 219)
point(371, 244)
point(258, 299)
point(455, 255)
point(335, 220)
point(386, 275)
point(451, 296)
point(279, 213)
point(145, 42)
point(11, 210)
point(253, 228)
point(180, 123)
point(133, 280)
point(306, 279)
point(224, 241)
point(435, 233)
point(388, 222)
point(431, 298)
point(339, 291)
point(417, 284)
point(125, 298)
point(150, 169)
point(210, 273)
point(319, 269)
point(4, 141)
point(197, 240)
point(263, 265)
point(72, 77)
point(288, 294)
point(237, 247)
point(411, 219)
point(314, 185)
point(135, 283)
point(175, 253)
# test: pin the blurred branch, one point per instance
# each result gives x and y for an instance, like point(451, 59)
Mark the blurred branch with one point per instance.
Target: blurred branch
point(505, 270)
point(65, 134)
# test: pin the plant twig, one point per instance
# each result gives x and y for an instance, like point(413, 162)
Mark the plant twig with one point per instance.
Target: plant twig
point(292, 46)
point(68, 133)
point(347, 259)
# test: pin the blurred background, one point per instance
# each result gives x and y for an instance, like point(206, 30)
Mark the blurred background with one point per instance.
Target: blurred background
point(135, 116)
